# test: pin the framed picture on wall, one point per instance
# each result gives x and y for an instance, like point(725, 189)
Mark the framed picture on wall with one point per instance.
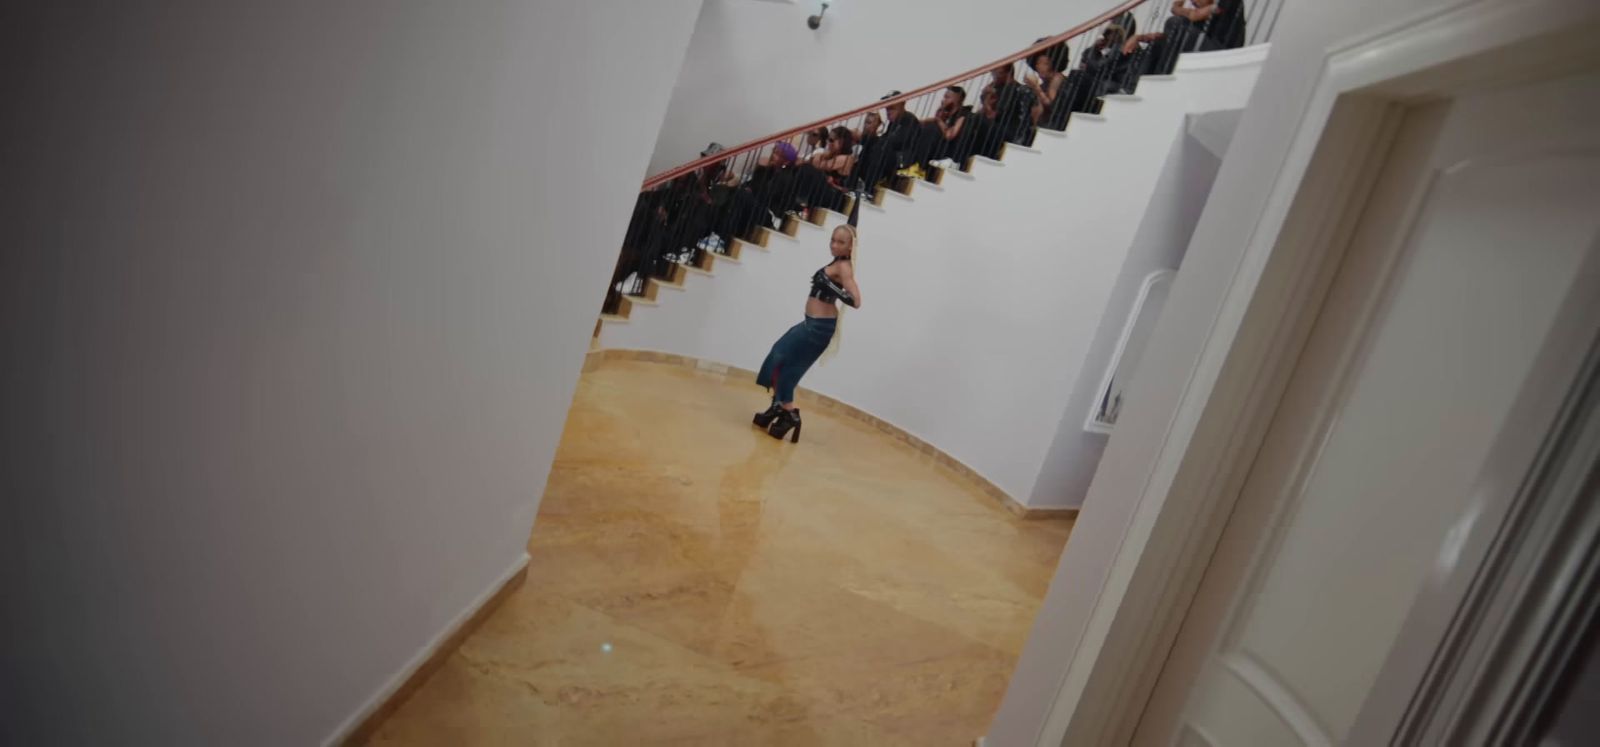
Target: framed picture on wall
point(1112, 394)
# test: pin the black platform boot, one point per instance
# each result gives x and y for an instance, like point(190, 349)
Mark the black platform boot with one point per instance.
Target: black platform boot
point(764, 419)
point(787, 420)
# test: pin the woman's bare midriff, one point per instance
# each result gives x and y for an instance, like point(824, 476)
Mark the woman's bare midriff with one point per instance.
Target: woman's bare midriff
point(818, 309)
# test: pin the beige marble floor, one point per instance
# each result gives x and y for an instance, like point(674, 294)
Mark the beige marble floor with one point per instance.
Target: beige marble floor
point(696, 582)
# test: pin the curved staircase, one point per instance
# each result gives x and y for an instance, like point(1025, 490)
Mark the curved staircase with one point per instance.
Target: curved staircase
point(990, 290)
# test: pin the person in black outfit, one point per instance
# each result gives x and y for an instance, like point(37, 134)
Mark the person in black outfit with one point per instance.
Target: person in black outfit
point(871, 129)
point(772, 190)
point(983, 138)
point(1013, 106)
point(894, 149)
point(1105, 67)
point(1219, 22)
point(1049, 93)
point(1207, 26)
point(822, 179)
point(942, 133)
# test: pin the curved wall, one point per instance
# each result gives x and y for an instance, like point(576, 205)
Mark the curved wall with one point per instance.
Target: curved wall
point(981, 297)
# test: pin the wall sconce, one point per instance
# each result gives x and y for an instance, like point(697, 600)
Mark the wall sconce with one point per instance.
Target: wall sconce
point(815, 21)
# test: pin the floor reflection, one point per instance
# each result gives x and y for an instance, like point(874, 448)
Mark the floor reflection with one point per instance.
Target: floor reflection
point(695, 581)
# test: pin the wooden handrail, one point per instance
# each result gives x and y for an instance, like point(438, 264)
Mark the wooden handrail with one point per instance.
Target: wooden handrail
point(724, 155)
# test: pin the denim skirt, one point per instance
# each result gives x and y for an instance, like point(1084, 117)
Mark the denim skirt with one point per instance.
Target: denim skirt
point(793, 354)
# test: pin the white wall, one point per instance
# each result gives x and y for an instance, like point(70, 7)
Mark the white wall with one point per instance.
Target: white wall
point(293, 301)
point(753, 68)
point(1162, 238)
point(980, 299)
point(1246, 210)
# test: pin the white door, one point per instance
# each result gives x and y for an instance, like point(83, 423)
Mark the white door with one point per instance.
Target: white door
point(1471, 241)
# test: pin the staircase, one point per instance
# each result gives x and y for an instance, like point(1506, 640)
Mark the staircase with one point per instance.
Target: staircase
point(705, 263)
point(987, 289)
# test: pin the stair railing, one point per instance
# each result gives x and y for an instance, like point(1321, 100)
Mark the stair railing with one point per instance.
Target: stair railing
point(686, 215)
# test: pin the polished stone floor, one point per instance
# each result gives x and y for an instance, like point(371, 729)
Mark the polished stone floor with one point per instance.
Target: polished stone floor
point(696, 582)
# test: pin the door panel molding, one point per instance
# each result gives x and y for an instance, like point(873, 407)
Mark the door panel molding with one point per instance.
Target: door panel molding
point(1508, 625)
point(1279, 696)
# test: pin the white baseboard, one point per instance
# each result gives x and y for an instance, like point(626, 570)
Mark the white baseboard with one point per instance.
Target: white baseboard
point(422, 656)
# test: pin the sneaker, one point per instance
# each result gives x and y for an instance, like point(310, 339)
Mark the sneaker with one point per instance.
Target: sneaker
point(914, 171)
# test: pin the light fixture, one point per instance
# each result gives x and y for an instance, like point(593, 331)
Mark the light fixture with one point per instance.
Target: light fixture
point(815, 21)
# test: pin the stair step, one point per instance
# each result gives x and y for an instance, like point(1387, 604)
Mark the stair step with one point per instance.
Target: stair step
point(1046, 131)
point(642, 300)
point(829, 213)
point(659, 283)
point(769, 233)
point(739, 245)
point(1023, 148)
point(900, 195)
point(989, 161)
point(613, 319)
point(967, 175)
point(720, 257)
point(935, 186)
point(697, 270)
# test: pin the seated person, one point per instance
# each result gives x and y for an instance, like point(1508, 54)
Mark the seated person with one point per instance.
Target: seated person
point(894, 149)
point(722, 175)
point(772, 190)
point(1014, 104)
point(1194, 26)
point(871, 129)
point(840, 160)
point(815, 141)
point(1105, 66)
point(1049, 103)
point(1219, 22)
point(943, 131)
point(1060, 54)
point(985, 139)
point(824, 180)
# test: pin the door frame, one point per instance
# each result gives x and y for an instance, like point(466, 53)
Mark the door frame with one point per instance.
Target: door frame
point(1361, 93)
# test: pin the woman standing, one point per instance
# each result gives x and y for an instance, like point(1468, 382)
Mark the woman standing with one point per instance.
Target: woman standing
point(793, 354)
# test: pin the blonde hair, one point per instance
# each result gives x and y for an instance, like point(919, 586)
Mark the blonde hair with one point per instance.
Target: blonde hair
point(838, 324)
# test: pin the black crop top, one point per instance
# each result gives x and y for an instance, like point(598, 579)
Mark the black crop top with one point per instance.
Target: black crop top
point(824, 289)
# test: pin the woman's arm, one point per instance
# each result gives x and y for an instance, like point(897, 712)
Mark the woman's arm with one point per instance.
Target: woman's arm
point(1132, 44)
point(847, 278)
point(1048, 96)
